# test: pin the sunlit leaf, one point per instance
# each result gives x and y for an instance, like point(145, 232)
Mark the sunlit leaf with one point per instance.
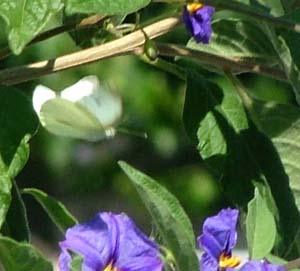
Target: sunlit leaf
point(260, 226)
point(172, 222)
point(25, 19)
point(105, 7)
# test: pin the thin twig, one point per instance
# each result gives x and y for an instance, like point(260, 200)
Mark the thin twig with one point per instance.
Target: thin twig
point(132, 43)
point(88, 22)
point(236, 65)
point(295, 264)
point(117, 47)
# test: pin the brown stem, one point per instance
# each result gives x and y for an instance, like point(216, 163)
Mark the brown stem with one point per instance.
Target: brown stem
point(236, 65)
point(295, 264)
point(116, 47)
point(133, 43)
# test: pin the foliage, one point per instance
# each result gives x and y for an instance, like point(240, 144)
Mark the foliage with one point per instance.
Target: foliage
point(243, 129)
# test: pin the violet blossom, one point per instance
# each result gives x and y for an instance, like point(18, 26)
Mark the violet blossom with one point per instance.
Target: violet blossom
point(261, 266)
point(109, 242)
point(197, 19)
point(218, 238)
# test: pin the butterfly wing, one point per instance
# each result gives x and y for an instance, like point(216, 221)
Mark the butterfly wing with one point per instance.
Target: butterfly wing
point(105, 105)
point(65, 118)
point(41, 94)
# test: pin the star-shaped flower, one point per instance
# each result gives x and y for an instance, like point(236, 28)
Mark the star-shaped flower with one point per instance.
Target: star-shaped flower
point(218, 238)
point(110, 242)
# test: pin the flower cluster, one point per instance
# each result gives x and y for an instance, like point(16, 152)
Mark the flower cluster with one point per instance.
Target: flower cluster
point(112, 242)
point(197, 19)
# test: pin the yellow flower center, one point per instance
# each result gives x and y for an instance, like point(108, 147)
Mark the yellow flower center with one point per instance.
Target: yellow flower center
point(110, 267)
point(193, 7)
point(228, 261)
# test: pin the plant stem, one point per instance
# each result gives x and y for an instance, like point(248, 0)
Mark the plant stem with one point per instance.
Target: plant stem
point(295, 264)
point(165, 66)
point(219, 62)
point(121, 46)
point(133, 43)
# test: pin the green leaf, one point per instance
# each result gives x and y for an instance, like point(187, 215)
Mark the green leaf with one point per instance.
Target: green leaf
point(282, 123)
point(55, 209)
point(76, 263)
point(290, 6)
point(260, 226)
point(286, 59)
point(247, 157)
point(268, 6)
point(105, 7)
point(169, 217)
point(5, 193)
point(25, 19)
point(16, 223)
point(16, 256)
point(18, 123)
point(275, 259)
point(217, 124)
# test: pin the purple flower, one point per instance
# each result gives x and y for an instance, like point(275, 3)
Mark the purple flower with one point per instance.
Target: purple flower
point(261, 266)
point(218, 239)
point(110, 242)
point(197, 19)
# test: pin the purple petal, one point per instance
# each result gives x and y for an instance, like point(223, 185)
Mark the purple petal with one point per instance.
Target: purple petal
point(219, 233)
point(186, 17)
point(95, 240)
point(199, 23)
point(136, 252)
point(208, 263)
point(261, 266)
point(64, 260)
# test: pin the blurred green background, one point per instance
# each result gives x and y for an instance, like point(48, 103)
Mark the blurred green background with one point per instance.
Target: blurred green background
point(85, 176)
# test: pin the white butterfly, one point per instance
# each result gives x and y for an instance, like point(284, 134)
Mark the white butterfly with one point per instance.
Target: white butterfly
point(84, 110)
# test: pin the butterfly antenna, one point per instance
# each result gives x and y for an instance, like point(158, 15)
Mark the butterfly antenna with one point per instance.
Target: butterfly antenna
point(131, 132)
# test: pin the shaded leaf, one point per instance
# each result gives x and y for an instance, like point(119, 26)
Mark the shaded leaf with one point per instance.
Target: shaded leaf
point(18, 123)
point(16, 223)
point(76, 263)
point(169, 217)
point(286, 59)
point(16, 256)
point(55, 209)
point(247, 158)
